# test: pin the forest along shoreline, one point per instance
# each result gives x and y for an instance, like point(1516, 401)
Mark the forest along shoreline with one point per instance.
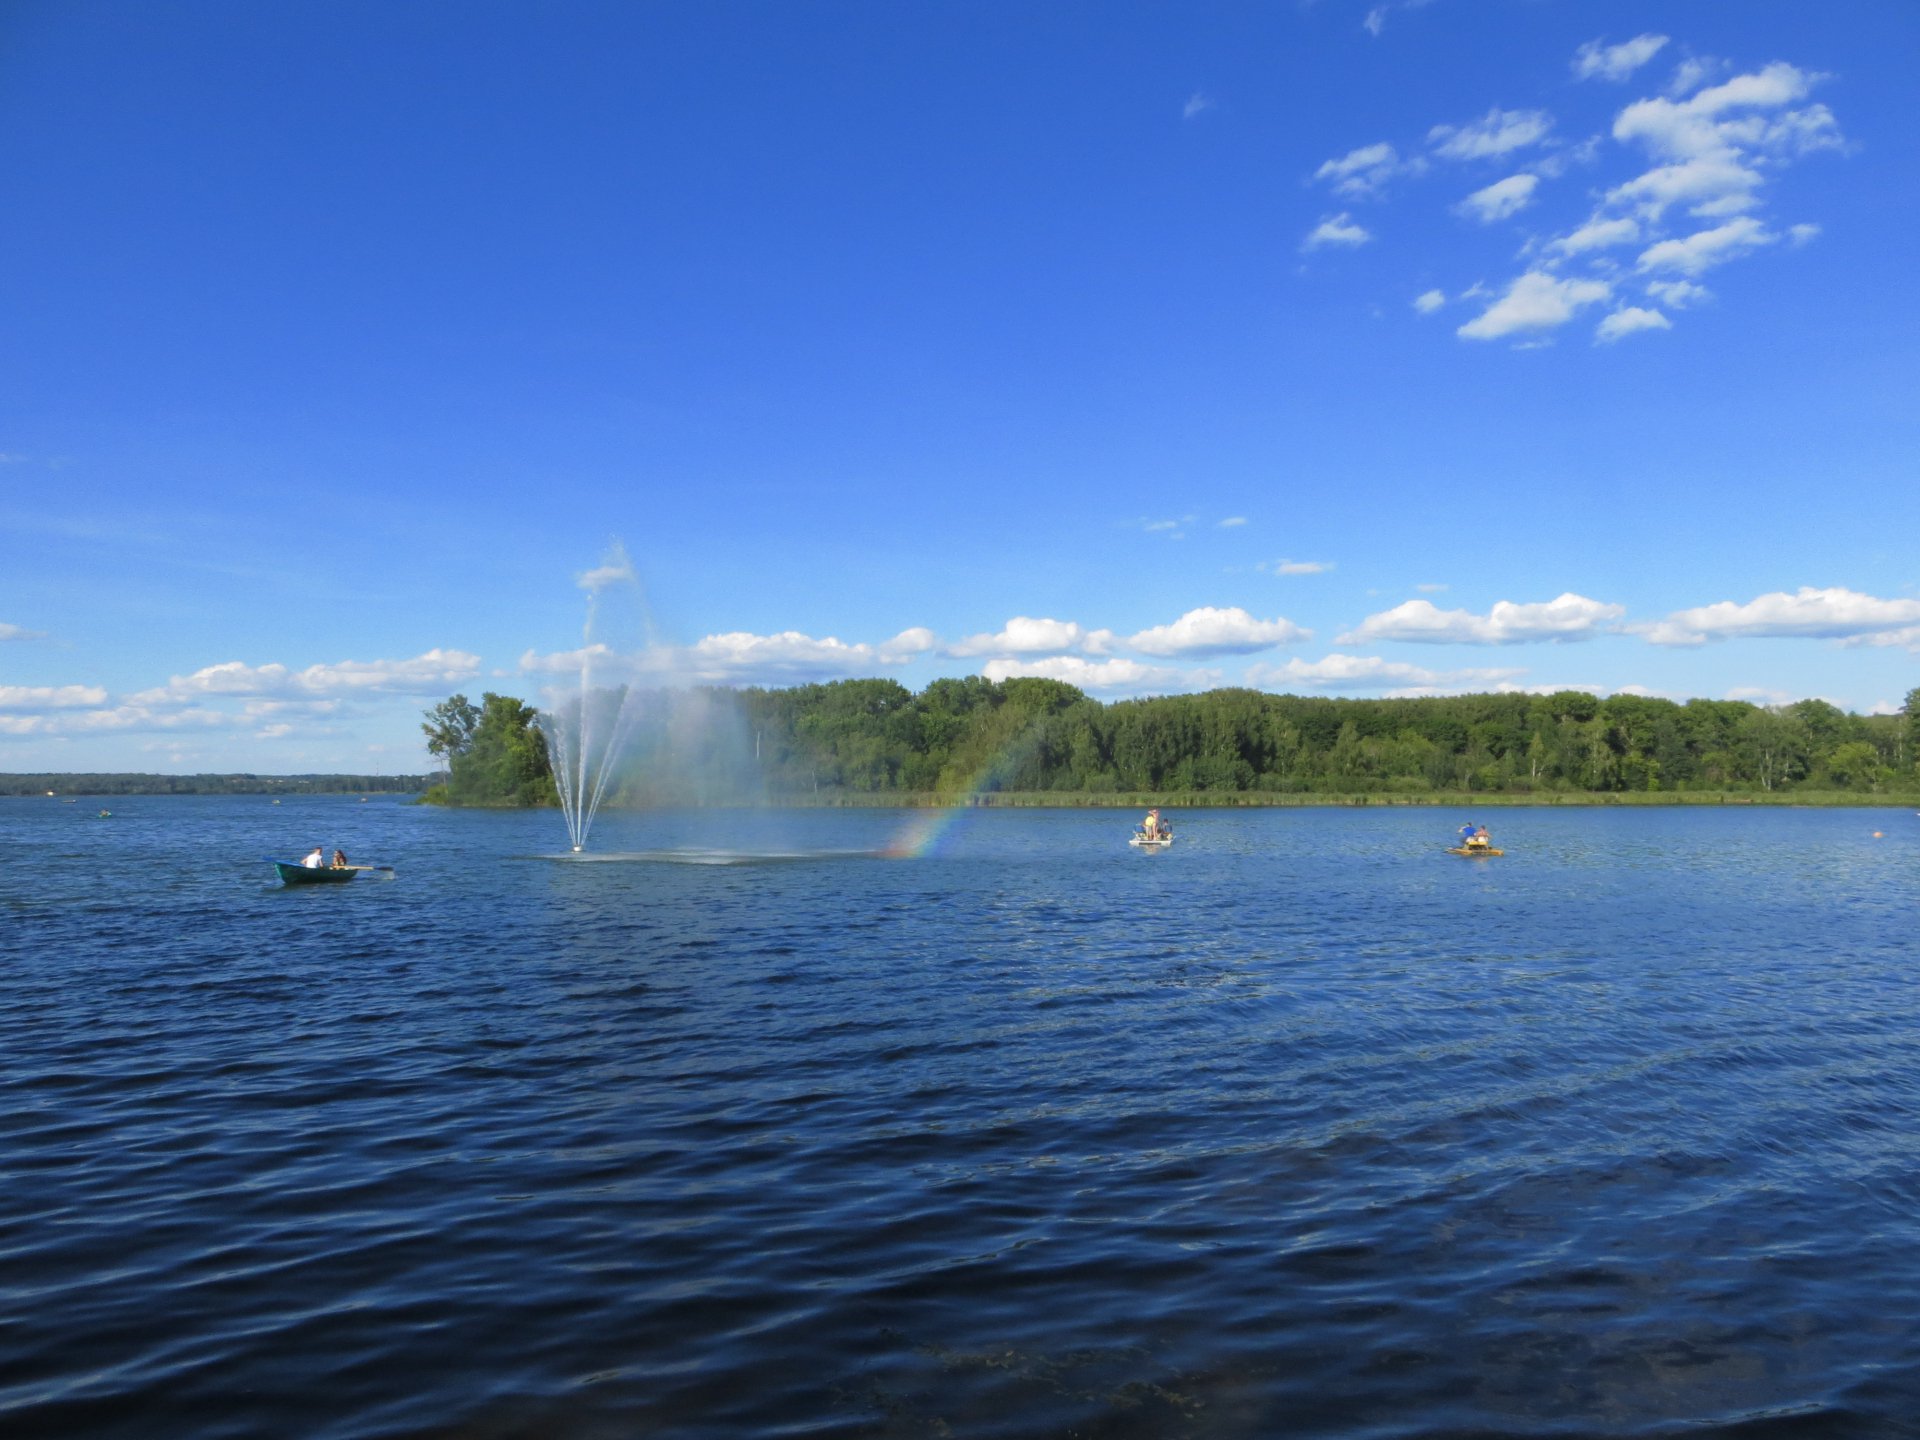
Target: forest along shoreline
point(1037, 742)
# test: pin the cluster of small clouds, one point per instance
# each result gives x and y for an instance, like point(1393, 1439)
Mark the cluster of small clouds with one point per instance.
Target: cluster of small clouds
point(274, 701)
point(1705, 153)
point(1179, 527)
point(231, 696)
point(1102, 659)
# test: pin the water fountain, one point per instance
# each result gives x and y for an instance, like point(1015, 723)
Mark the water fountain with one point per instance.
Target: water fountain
point(587, 731)
point(636, 722)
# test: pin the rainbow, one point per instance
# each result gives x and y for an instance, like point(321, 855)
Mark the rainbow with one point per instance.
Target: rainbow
point(923, 830)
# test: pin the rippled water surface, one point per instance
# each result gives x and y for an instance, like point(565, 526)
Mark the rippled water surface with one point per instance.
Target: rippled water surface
point(741, 1127)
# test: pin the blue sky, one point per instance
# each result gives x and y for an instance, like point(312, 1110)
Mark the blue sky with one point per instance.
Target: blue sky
point(1338, 347)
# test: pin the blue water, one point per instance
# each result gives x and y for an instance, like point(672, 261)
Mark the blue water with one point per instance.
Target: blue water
point(1302, 1128)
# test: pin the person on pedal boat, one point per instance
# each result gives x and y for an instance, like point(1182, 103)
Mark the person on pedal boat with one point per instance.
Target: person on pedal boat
point(1150, 827)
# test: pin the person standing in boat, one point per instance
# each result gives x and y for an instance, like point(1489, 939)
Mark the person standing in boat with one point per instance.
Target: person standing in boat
point(1466, 833)
point(1150, 827)
point(315, 859)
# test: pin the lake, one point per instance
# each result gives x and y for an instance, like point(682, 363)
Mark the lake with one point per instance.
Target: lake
point(747, 1126)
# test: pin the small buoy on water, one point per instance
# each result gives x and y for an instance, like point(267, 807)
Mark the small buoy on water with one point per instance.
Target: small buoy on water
point(1878, 836)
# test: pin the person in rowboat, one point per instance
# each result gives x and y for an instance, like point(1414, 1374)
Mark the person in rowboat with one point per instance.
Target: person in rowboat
point(339, 859)
point(315, 858)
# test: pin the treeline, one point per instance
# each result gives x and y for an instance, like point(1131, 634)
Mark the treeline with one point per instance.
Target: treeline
point(131, 784)
point(965, 736)
point(961, 735)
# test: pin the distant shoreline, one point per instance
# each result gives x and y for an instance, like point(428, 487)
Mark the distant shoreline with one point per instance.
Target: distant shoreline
point(238, 783)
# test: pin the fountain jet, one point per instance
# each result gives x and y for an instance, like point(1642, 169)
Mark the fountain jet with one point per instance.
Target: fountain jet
point(588, 731)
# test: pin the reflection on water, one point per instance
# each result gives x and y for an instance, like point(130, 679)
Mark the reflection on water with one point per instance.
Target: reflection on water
point(1306, 1128)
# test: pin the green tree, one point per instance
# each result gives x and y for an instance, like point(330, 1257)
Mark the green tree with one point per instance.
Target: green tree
point(449, 728)
point(1910, 732)
point(1855, 765)
point(506, 762)
point(1772, 746)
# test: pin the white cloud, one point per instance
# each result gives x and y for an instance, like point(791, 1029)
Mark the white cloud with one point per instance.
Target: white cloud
point(1536, 301)
point(1213, 631)
point(1778, 84)
point(427, 674)
point(1594, 61)
point(1761, 695)
point(1363, 672)
point(1500, 133)
point(1909, 638)
point(1026, 635)
point(1692, 73)
point(50, 697)
point(735, 657)
point(1633, 318)
point(1197, 104)
point(1336, 230)
point(1300, 567)
point(1678, 293)
point(742, 657)
point(19, 632)
point(1432, 589)
point(616, 569)
point(262, 709)
point(1568, 617)
point(1172, 529)
point(915, 640)
point(1376, 20)
point(1429, 301)
point(1803, 234)
point(1710, 145)
point(1831, 614)
point(1500, 199)
point(1363, 174)
point(1708, 185)
point(1233, 522)
point(116, 719)
point(1099, 674)
point(1598, 234)
point(1704, 249)
point(571, 662)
